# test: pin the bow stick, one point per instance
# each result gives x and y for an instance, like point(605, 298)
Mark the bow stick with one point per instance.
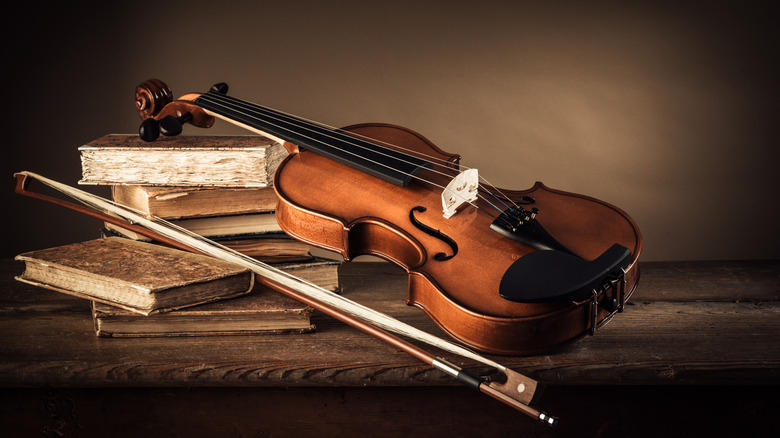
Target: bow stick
point(516, 391)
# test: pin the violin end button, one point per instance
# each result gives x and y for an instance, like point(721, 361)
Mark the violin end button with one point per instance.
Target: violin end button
point(610, 304)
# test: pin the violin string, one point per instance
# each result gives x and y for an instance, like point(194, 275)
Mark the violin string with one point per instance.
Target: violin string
point(445, 163)
point(428, 157)
point(221, 252)
point(503, 215)
point(224, 100)
point(256, 116)
point(348, 138)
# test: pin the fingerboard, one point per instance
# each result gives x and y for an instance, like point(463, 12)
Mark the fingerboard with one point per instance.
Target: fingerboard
point(359, 153)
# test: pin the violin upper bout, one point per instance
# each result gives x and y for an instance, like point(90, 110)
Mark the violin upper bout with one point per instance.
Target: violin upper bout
point(374, 236)
point(350, 237)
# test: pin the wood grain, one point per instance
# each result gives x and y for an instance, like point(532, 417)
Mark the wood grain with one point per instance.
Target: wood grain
point(689, 323)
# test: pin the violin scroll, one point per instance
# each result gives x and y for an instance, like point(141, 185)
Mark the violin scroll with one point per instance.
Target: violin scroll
point(151, 96)
point(161, 114)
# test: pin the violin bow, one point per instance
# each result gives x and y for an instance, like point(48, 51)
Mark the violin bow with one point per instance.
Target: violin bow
point(517, 391)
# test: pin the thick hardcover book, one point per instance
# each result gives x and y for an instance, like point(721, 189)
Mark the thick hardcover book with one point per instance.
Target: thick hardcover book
point(266, 247)
point(320, 271)
point(218, 161)
point(233, 225)
point(218, 226)
point(262, 311)
point(141, 277)
point(271, 247)
point(176, 202)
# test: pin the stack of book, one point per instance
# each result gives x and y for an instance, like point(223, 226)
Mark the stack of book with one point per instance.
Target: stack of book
point(217, 187)
point(239, 218)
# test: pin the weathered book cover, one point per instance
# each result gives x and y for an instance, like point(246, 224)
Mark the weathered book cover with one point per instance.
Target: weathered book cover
point(219, 226)
point(261, 312)
point(217, 161)
point(233, 225)
point(321, 271)
point(141, 277)
point(271, 247)
point(266, 247)
point(177, 202)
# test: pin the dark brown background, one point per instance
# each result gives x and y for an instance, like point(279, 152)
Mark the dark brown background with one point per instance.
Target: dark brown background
point(668, 110)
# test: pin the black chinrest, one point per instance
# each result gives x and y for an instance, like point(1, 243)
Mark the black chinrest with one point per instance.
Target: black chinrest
point(545, 276)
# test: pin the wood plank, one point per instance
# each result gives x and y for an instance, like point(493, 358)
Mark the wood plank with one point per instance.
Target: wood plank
point(47, 339)
point(615, 411)
point(726, 353)
point(668, 281)
point(660, 342)
point(757, 280)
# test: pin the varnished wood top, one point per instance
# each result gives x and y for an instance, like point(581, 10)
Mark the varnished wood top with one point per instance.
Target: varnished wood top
point(688, 323)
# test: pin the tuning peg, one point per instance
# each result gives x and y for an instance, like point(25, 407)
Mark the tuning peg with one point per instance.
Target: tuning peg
point(171, 126)
point(149, 129)
point(221, 88)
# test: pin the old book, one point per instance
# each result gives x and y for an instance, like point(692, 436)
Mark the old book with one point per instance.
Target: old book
point(262, 311)
point(218, 161)
point(177, 202)
point(321, 271)
point(141, 277)
point(233, 225)
point(271, 247)
point(219, 226)
point(266, 247)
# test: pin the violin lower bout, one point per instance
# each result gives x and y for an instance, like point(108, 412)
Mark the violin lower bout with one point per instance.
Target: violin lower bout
point(518, 336)
point(515, 336)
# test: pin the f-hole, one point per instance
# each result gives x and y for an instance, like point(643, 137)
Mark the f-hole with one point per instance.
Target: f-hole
point(442, 257)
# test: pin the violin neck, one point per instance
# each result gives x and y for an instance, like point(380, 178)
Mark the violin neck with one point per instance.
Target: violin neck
point(360, 153)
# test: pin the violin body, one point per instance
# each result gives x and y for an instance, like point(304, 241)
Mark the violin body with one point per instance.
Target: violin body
point(338, 208)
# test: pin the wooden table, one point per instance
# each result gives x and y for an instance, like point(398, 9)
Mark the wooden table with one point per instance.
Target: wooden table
point(697, 350)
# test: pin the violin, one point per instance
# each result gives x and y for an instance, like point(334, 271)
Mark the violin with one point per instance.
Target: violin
point(507, 272)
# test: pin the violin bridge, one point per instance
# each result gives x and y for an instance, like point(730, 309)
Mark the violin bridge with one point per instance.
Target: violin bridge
point(462, 189)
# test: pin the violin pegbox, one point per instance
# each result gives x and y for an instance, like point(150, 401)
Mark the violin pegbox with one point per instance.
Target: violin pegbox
point(161, 114)
point(462, 189)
